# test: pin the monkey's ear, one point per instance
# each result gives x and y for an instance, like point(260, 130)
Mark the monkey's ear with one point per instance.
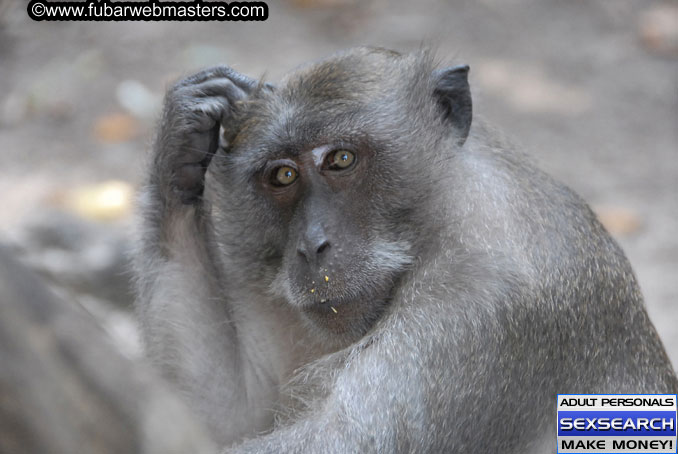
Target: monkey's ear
point(453, 94)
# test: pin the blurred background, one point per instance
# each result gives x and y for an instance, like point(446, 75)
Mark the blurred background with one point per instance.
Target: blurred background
point(588, 88)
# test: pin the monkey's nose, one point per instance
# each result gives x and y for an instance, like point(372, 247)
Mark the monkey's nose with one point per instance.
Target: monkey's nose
point(313, 251)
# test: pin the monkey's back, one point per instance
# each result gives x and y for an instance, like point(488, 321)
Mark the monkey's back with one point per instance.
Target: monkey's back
point(591, 314)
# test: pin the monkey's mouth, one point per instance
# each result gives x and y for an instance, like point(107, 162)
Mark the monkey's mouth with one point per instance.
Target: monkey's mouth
point(346, 319)
point(340, 309)
point(332, 308)
point(322, 305)
point(328, 306)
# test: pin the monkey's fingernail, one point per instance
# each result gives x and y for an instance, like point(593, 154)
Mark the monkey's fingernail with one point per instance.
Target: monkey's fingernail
point(327, 278)
point(333, 309)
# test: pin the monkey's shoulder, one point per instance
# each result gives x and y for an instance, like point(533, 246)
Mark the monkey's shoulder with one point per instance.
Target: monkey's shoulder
point(510, 205)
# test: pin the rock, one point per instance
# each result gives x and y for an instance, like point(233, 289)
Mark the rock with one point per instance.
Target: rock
point(80, 255)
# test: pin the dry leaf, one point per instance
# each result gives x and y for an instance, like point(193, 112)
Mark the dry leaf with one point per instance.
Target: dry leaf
point(116, 128)
point(658, 29)
point(619, 221)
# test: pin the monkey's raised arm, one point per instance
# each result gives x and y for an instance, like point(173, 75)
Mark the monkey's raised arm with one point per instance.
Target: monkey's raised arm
point(187, 139)
point(183, 303)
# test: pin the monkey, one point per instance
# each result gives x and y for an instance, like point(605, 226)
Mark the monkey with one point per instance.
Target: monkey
point(339, 262)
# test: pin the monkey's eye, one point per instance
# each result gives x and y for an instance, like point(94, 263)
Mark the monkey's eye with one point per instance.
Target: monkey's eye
point(284, 175)
point(340, 160)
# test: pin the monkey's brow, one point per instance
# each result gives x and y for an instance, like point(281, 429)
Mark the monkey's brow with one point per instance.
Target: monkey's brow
point(255, 163)
point(279, 153)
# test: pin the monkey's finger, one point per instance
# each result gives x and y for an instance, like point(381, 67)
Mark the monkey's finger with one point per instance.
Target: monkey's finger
point(188, 173)
point(200, 147)
point(188, 182)
point(208, 112)
point(222, 71)
point(215, 87)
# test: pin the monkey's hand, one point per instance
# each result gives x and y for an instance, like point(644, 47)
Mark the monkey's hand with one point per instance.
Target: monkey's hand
point(188, 136)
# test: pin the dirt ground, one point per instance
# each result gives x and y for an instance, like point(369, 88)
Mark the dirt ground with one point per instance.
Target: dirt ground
point(589, 88)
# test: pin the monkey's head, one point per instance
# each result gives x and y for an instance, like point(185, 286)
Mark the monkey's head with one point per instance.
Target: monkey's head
point(323, 182)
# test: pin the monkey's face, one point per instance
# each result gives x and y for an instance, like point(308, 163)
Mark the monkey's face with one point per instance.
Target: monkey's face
point(319, 182)
point(343, 252)
point(321, 218)
point(318, 210)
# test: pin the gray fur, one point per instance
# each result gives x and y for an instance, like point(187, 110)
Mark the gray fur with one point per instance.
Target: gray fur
point(471, 288)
